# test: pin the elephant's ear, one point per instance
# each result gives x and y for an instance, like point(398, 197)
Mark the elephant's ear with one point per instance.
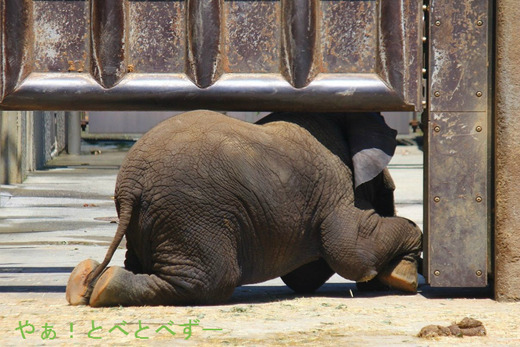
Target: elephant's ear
point(372, 144)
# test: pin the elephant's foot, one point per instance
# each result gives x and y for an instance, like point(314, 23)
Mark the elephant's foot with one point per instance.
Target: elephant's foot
point(109, 288)
point(118, 286)
point(77, 292)
point(401, 274)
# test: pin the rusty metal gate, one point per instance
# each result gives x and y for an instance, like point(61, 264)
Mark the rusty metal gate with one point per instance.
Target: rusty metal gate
point(218, 54)
point(273, 55)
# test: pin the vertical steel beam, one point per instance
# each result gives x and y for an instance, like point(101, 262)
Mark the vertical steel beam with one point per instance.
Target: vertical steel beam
point(458, 199)
point(507, 233)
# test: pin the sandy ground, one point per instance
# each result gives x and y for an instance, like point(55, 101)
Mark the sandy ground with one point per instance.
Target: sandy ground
point(56, 219)
point(259, 316)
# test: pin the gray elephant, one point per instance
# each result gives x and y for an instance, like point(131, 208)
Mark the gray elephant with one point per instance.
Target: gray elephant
point(208, 203)
point(365, 143)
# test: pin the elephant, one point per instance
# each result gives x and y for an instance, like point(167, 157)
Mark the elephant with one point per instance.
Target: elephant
point(208, 203)
point(365, 143)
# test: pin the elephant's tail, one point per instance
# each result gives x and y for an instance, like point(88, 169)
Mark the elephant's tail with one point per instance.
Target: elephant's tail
point(124, 221)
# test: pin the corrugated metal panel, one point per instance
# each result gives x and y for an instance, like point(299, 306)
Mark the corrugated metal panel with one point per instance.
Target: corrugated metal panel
point(217, 54)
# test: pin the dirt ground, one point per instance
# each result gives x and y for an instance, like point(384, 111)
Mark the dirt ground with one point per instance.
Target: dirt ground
point(262, 315)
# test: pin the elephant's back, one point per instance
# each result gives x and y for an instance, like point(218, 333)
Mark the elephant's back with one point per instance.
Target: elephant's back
point(210, 136)
point(203, 155)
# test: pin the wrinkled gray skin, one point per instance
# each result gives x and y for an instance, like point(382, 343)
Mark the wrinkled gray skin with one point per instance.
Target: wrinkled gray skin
point(208, 203)
point(334, 131)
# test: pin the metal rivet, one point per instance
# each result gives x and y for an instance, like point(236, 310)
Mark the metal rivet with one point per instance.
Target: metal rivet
point(478, 198)
point(436, 128)
point(424, 39)
point(479, 94)
point(424, 71)
point(425, 7)
point(480, 22)
point(437, 23)
point(437, 94)
point(478, 128)
point(436, 272)
point(478, 273)
point(437, 199)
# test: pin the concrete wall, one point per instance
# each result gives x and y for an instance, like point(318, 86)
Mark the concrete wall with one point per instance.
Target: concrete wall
point(133, 122)
point(50, 128)
point(11, 147)
point(507, 159)
point(28, 140)
point(130, 122)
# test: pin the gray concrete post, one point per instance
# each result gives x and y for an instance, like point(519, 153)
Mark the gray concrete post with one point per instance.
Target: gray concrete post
point(10, 147)
point(507, 162)
point(73, 132)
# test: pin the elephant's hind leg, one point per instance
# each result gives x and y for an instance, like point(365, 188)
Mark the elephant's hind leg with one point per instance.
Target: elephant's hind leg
point(118, 286)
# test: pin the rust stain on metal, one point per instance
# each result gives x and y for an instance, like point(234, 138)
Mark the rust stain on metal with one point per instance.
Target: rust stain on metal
point(60, 35)
point(72, 66)
point(76, 66)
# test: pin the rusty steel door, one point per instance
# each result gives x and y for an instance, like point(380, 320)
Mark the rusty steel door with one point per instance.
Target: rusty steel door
point(217, 54)
point(459, 195)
